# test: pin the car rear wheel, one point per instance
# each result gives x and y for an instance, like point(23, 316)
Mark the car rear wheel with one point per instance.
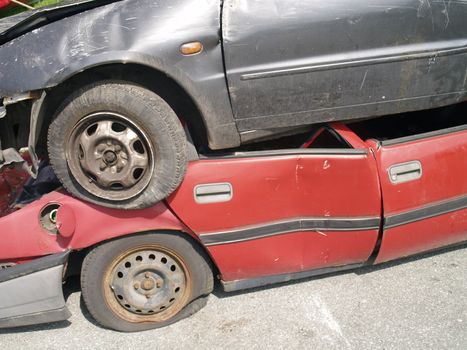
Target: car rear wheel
point(118, 145)
point(145, 281)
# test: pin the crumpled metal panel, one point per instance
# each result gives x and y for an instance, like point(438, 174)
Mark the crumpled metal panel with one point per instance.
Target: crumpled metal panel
point(11, 182)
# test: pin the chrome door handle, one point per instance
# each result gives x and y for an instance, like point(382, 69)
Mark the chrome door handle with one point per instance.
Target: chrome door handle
point(213, 193)
point(405, 172)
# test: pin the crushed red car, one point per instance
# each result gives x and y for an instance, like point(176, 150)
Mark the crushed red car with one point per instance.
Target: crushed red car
point(335, 198)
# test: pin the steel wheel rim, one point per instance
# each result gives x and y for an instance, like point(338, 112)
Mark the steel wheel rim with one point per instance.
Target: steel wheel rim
point(110, 156)
point(140, 288)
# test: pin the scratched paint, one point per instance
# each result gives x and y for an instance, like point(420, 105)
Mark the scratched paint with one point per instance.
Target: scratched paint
point(284, 73)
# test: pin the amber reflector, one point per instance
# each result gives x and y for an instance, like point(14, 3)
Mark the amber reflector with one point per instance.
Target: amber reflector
point(191, 48)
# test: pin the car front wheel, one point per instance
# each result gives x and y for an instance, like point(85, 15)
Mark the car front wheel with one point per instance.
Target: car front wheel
point(118, 145)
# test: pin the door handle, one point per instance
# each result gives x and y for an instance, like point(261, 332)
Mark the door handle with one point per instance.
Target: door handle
point(405, 172)
point(213, 193)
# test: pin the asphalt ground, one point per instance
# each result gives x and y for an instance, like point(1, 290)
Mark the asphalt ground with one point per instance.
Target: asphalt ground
point(415, 303)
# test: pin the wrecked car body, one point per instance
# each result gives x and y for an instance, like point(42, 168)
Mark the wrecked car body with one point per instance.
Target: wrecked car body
point(251, 218)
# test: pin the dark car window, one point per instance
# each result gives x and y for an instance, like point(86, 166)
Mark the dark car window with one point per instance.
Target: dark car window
point(326, 137)
point(409, 124)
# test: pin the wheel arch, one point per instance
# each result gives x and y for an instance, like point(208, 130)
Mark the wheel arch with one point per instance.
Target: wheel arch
point(161, 255)
point(77, 255)
point(143, 75)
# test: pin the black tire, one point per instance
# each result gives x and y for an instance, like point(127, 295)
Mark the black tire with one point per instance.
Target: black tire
point(101, 299)
point(162, 142)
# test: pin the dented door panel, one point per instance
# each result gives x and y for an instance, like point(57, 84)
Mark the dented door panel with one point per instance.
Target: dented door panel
point(306, 210)
point(293, 253)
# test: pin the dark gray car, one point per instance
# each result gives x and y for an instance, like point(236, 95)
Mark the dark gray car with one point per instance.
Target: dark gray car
point(116, 86)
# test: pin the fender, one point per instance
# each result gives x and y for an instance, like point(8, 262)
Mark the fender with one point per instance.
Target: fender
point(80, 225)
point(36, 252)
point(133, 31)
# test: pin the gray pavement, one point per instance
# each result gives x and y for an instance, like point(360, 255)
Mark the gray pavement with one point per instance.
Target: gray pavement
point(417, 303)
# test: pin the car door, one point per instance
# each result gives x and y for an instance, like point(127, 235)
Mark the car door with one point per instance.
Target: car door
point(278, 212)
point(424, 185)
point(294, 62)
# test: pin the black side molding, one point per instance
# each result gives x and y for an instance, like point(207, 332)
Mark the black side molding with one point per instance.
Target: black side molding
point(34, 266)
point(426, 212)
point(290, 226)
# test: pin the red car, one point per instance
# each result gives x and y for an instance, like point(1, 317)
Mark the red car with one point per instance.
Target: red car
point(345, 199)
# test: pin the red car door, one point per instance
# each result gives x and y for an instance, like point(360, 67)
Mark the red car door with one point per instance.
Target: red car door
point(424, 185)
point(270, 213)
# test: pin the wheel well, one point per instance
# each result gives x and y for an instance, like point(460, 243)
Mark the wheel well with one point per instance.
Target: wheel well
point(77, 256)
point(147, 77)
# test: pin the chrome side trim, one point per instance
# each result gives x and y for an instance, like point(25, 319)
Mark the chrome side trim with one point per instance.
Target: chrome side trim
point(292, 152)
point(290, 226)
point(322, 66)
